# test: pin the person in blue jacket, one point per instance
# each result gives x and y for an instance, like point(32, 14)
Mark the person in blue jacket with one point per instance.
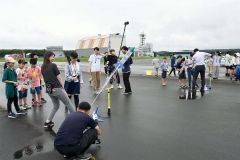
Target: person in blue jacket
point(126, 71)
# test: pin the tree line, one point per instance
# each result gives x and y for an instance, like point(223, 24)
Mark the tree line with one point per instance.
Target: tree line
point(38, 52)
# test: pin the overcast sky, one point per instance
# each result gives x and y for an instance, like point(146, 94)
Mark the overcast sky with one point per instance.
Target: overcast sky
point(168, 24)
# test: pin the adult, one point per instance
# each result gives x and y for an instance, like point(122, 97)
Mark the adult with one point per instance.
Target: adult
point(216, 64)
point(105, 62)
point(77, 133)
point(156, 65)
point(95, 69)
point(54, 87)
point(199, 67)
point(173, 61)
point(126, 71)
point(112, 59)
point(227, 65)
point(232, 66)
point(73, 78)
point(237, 58)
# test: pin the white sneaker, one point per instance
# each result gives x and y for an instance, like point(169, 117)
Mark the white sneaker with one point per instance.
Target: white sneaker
point(119, 86)
point(111, 87)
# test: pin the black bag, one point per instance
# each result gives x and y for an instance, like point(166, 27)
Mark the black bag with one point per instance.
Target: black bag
point(49, 88)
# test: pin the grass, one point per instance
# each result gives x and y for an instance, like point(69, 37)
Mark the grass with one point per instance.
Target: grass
point(1, 109)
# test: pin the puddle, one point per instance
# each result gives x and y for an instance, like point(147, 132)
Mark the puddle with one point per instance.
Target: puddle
point(42, 144)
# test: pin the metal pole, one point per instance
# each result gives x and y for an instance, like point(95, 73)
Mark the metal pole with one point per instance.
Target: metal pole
point(125, 25)
point(109, 102)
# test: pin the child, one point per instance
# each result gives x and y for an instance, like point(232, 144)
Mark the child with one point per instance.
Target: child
point(10, 78)
point(181, 70)
point(156, 63)
point(34, 75)
point(164, 67)
point(22, 87)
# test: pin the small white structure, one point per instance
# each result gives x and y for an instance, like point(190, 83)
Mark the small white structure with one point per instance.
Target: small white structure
point(104, 42)
point(57, 50)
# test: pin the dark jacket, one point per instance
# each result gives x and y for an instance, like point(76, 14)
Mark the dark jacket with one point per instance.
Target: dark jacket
point(126, 66)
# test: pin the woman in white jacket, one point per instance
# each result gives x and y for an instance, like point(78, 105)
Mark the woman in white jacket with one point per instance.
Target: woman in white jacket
point(73, 78)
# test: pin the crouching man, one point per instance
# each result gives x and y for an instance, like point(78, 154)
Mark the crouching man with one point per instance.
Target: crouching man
point(77, 133)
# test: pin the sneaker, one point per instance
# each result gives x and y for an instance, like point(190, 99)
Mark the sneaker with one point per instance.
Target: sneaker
point(12, 115)
point(126, 93)
point(40, 104)
point(22, 107)
point(48, 125)
point(111, 87)
point(27, 106)
point(21, 112)
point(34, 103)
point(43, 100)
point(84, 156)
point(119, 86)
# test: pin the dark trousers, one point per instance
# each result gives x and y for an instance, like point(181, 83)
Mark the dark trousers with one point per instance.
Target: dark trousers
point(9, 104)
point(88, 138)
point(127, 82)
point(199, 69)
point(189, 73)
point(173, 70)
point(117, 77)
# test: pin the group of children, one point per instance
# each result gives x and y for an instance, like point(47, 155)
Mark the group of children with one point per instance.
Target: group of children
point(182, 65)
point(18, 82)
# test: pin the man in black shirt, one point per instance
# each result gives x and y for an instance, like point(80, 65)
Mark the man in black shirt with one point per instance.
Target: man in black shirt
point(77, 133)
point(112, 59)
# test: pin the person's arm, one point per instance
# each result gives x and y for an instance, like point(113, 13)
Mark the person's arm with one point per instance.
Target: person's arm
point(80, 74)
point(68, 77)
point(60, 80)
point(5, 78)
point(57, 74)
point(98, 129)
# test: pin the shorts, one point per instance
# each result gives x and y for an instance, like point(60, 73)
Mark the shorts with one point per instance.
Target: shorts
point(227, 67)
point(164, 74)
point(36, 89)
point(232, 67)
point(22, 94)
point(182, 75)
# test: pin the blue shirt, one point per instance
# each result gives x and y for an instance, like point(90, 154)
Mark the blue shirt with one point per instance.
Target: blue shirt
point(72, 128)
point(164, 66)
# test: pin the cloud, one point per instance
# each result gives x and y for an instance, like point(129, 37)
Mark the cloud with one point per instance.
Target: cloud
point(168, 24)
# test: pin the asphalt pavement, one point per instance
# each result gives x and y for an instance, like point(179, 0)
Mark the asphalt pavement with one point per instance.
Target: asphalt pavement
point(152, 123)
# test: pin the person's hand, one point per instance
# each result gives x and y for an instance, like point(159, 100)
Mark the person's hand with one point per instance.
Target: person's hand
point(15, 83)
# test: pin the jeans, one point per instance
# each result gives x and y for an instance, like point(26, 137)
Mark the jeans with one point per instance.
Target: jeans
point(88, 138)
point(59, 94)
point(127, 82)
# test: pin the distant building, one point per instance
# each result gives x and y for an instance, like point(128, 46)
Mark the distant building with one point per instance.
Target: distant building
point(105, 42)
point(57, 50)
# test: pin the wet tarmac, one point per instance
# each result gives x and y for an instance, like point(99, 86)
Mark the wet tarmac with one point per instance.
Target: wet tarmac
point(152, 123)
